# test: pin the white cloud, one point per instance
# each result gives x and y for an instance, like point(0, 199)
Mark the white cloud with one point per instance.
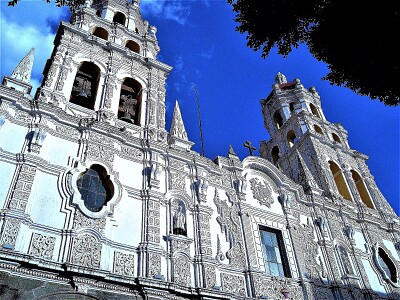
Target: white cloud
point(17, 40)
point(178, 11)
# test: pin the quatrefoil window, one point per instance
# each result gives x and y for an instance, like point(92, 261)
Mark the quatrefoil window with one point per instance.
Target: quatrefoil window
point(95, 187)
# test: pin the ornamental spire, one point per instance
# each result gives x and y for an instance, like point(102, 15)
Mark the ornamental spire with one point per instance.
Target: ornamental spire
point(177, 137)
point(177, 126)
point(23, 70)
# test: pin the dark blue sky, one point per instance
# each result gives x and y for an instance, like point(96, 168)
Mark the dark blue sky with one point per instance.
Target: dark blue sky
point(198, 39)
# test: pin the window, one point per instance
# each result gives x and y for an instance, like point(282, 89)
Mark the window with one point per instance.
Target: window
point(95, 187)
point(274, 254)
point(386, 266)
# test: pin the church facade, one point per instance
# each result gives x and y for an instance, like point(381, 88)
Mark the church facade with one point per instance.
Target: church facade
point(100, 201)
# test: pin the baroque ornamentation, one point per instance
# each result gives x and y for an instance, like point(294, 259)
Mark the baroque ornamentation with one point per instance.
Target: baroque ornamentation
point(182, 270)
point(82, 221)
point(86, 251)
point(233, 284)
point(261, 192)
point(124, 263)
point(10, 233)
point(42, 246)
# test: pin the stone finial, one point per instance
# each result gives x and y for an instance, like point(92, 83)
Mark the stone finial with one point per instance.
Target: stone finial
point(177, 137)
point(280, 78)
point(177, 127)
point(23, 70)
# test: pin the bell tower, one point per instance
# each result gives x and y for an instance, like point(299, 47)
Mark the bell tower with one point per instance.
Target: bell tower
point(313, 151)
point(104, 66)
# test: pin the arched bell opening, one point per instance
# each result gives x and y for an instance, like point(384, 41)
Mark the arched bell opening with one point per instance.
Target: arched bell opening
point(336, 138)
point(119, 18)
point(278, 119)
point(340, 181)
point(101, 33)
point(314, 110)
point(275, 154)
point(133, 46)
point(291, 138)
point(362, 189)
point(318, 129)
point(130, 101)
point(85, 85)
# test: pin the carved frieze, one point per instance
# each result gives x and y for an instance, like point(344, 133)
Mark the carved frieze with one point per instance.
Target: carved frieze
point(233, 284)
point(10, 233)
point(124, 264)
point(82, 221)
point(261, 192)
point(42, 245)
point(182, 270)
point(86, 251)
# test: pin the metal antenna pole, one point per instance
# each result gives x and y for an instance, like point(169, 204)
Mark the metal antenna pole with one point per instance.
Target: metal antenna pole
point(198, 113)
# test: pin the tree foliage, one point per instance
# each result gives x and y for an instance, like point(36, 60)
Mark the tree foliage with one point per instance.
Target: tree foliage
point(357, 40)
point(72, 4)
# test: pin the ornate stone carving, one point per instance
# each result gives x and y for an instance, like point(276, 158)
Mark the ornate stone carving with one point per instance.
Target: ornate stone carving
point(233, 284)
point(261, 192)
point(42, 246)
point(154, 266)
point(124, 264)
point(86, 251)
point(182, 270)
point(178, 181)
point(153, 219)
point(22, 187)
point(9, 233)
point(209, 276)
point(82, 221)
point(273, 288)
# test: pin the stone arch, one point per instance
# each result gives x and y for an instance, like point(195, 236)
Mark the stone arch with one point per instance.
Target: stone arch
point(344, 259)
point(336, 138)
point(340, 180)
point(362, 189)
point(100, 32)
point(85, 86)
point(314, 110)
point(119, 18)
point(291, 138)
point(278, 121)
point(129, 107)
point(275, 154)
point(318, 129)
point(133, 46)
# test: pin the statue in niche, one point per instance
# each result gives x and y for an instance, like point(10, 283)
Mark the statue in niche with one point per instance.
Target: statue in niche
point(179, 222)
point(345, 260)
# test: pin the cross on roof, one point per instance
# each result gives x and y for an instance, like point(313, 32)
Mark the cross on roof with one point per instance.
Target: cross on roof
point(250, 147)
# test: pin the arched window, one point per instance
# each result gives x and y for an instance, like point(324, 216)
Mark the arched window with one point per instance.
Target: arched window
point(336, 138)
point(130, 101)
point(318, 129)
point(314, 111)
point(98, 13)
point(133, 46)
point(387, 266)
point(119, 18)
point(362, 189)
point(340, 181)
point(101, 33)
point(95, 187)
point(278, 119)
point(275, 154)
point(291, 106)
point(85, 85)
point(291, 137)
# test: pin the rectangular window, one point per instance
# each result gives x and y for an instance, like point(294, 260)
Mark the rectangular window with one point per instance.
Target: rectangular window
point(274, 252)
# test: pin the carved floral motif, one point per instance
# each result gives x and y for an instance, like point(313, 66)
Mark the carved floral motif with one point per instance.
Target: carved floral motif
point(42, 246)
point(86, 251)
point(124, 264)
